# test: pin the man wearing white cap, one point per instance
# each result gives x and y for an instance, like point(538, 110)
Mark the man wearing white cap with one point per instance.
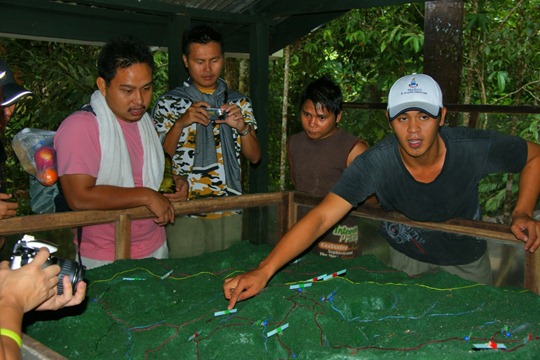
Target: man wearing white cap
point(10, 93)
point(427, 172)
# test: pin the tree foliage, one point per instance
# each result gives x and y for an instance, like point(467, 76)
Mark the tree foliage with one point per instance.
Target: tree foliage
point(365, 51)
point(351, 50)
point(502, 67)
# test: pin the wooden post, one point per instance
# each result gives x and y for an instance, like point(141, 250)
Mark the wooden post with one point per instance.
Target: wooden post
point(176, 25)
point(259, 45)
point(473, 120)
point(286, 213)
point(123, 237)
point(532, 271)
point(442, 48)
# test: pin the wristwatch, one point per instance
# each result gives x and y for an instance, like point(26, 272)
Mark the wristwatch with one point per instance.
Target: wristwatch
point(245, 132)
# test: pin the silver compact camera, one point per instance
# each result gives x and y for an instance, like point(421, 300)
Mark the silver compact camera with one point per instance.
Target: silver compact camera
point(216, 114)
point(27, 248)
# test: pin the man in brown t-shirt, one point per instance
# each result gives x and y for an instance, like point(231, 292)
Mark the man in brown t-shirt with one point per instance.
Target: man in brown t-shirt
point(317, 157)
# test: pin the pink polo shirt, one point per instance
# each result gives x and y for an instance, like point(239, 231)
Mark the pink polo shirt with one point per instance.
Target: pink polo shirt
point(78, 152)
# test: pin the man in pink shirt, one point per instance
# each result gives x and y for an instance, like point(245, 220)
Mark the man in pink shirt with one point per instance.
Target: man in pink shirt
point(109, 156)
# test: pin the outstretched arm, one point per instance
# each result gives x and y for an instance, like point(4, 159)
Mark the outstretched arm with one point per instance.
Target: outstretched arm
point(292, 244)
point(524, 227)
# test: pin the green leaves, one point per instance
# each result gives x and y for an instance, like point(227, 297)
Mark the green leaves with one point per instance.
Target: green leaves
point(478, 21)
point(500, 78)
point(416, 40)
point(532, 132)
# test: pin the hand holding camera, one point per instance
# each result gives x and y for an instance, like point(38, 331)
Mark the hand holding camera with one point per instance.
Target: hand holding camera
point(216, 114)
point(26, 249)
point(233, 115)
point(34, 285)
point(26, 288)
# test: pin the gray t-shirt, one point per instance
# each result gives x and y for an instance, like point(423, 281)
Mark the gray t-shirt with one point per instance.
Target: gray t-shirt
point(470, 156)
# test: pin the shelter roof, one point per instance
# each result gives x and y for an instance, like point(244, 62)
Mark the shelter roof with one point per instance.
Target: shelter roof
point(94, 21)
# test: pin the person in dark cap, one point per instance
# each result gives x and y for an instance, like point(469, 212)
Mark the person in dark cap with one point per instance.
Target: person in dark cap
point(428, 172)
point(10, 93)
point(33, 286)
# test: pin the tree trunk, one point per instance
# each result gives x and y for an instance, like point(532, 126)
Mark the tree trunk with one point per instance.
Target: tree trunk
point(243, 76)
point(230, 73)
point(283, 158)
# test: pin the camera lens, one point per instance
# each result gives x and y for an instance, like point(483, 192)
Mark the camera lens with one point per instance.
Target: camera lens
point(73, 269)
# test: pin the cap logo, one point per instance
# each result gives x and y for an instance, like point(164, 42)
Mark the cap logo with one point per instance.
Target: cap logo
point(413, 88)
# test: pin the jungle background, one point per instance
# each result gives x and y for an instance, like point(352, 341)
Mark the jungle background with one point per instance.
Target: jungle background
point(364, 51)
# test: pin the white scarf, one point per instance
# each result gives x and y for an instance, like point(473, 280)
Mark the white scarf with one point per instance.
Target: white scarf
point(115, 166)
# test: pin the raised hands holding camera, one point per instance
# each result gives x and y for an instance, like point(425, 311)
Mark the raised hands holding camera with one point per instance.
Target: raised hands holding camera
point(36, 287)
point(30, 287)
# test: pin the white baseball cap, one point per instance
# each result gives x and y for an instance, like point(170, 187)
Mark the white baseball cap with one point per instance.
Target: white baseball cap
point(415, 92)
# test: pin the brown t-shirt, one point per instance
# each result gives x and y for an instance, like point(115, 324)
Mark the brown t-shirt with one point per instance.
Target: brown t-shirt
point(316, 165)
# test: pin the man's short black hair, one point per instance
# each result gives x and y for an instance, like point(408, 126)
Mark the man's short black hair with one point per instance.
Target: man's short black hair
point(325, 92)
point(122, 52)
point(201, 34)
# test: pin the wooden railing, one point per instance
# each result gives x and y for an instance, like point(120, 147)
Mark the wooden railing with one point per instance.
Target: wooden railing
point(488, 231)
point(123, 218)
point(473, 110)
point(286, 203)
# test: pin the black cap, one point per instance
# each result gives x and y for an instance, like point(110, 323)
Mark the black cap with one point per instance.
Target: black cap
point(12, 91)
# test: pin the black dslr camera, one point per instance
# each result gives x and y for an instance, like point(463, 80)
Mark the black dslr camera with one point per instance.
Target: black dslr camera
point(26, 249)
